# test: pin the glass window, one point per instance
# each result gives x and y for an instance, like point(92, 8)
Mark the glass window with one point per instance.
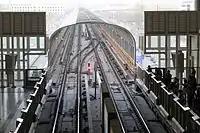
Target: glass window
point(162, 63)
point(21, 42)
point(162, 56)
point(21, 56)
point(183, 41)
point(15, 75)
point(185, 53)
point(10, 42)
point(21, 64)
point(172, 51)
point(154, 41)
point(193, 42)
point(172, 41)
point(171, 63)
point(15, 42)
point(33, 42)
point(25, 42)
point(147, 41)
point(162, 41)
point(21, 75)
point(4, 43)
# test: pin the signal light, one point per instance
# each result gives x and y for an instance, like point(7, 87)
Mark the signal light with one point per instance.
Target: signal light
point(88, 67)
point(88, 64)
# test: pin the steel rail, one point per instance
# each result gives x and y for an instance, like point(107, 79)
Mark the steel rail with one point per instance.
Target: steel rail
point(81, 67)
point(145, 126)
point(109, 89)
point(62, 85)
point(72, 32)
point(124, 87)
point(78, 94)
point(83, 50)
point(81, 62)
point(65, 50)
point(55, 53)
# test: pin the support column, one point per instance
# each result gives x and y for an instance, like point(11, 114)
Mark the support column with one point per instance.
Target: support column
point(168, 52)
point(2, 65)
point(149, 42)
point(188, 56)
point(18, 59)
point(159, 55)
point(28, 50)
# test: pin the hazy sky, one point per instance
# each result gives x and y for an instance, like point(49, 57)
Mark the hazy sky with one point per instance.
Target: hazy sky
point(90, 2)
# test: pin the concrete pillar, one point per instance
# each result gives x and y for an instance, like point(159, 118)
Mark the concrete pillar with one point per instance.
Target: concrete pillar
point(188, 44)
point(149, 42)
point(197, 8)
point(18, 60)
point(159, 45)
point(168, 51)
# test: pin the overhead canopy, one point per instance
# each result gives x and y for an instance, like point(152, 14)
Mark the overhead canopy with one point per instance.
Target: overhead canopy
point(71, 19)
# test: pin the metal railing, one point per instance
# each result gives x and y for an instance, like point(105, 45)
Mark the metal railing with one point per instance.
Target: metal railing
point(186, 119)
point(28, 115)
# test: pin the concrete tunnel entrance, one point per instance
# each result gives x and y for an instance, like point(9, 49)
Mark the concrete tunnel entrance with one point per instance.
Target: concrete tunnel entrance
point(123, 38)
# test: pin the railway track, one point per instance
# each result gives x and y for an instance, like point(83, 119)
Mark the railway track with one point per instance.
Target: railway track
point(131, 114)
point(132, 111)
point(136, 124)
point(49, 118)
point(57, 57)
point(64, 60)
point(71, 99)
point(84, 122)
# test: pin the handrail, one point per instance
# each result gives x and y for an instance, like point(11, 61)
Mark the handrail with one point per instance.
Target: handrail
point(169, 101)
point(24, 123)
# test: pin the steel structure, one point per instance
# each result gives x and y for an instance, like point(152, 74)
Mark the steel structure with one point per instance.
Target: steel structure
point(125, 40)
point(170, 31)
point(22, 34)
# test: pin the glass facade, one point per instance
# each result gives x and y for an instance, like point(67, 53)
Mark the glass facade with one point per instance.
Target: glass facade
point(164, 46)
point(27, 49)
